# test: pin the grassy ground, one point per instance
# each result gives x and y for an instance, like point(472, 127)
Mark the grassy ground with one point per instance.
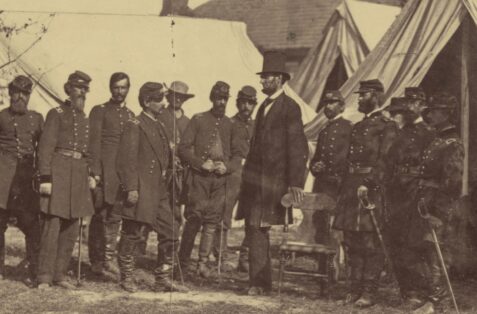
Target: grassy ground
point(99, 295)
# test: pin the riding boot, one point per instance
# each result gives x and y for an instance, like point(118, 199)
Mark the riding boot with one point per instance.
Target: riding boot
point(126, 262)
point(205, 246)
point(191, 229)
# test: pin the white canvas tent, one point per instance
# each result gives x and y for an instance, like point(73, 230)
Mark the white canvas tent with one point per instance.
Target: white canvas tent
point(148, 48)
point(352, 32)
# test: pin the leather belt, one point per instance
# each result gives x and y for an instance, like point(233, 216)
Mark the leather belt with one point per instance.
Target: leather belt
point(16, 155)
point(426, 183)
point(69, 153)
point(359, 170)
point(406, 170)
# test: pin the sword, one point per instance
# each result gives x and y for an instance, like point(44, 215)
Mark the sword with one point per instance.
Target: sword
point(424, 213)
point(366, 204)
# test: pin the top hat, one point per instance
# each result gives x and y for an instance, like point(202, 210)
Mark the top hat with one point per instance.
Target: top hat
point(331, 96)
point(414, 93)
point(274, 62)
point(180, 88)
point(21, 83)
point(374, 85)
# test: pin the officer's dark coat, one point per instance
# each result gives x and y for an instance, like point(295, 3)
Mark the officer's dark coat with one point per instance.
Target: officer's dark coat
point(440, 184)
point(199, 142)
point(370, 141)
point(107, 123)
point(19, 136)
point(332, 149)
point(276, 161)
point(143, 158)
point(65, 128)
point(403, 170)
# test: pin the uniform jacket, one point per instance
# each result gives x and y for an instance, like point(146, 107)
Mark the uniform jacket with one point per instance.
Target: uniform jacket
point(66, 128)
point(143, 158)
point(332, 148)
point(174, 127)
point(440, 184)
point(107, 122)
point(276, 161)
point(209, 137)
point(19, 136)
point(371, 139)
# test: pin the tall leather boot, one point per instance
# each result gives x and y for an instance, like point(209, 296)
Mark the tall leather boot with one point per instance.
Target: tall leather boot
point(126, 262)
point(205, 247)
point(110, 237)
point(32, 248)
point(2, 255)
point(191, 228)
point(437, 290)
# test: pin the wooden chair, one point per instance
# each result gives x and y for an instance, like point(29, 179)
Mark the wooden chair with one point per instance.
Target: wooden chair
point(311, 203)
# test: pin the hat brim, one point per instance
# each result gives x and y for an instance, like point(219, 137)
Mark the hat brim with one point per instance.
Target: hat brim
point(287, 75)
point(186, 96)
point(367, 90)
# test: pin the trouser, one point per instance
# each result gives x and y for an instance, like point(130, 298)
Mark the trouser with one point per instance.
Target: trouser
point(365, 260)
point(260, 270)
point(206, 204)
point(103, 233)
point(132, 233)
point(58, 237)
point(244, 249)
point(28, 222)
point(435, 281)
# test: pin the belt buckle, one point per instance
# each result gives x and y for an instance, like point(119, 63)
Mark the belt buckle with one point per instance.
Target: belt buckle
point(77, 155)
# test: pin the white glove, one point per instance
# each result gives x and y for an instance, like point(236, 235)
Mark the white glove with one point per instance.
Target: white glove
point(45, 188)
point(92, 183)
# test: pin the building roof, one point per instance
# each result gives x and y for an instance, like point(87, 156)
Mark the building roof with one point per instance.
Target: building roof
point(278, 24)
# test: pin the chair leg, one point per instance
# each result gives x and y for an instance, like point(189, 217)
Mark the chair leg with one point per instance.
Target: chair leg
point(281, 271)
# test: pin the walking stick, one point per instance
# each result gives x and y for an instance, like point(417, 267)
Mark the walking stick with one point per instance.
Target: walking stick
point(78, 277)
point(364, 203)
point(422, 209)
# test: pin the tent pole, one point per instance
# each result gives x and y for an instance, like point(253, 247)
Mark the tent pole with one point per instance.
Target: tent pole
point(465, 110)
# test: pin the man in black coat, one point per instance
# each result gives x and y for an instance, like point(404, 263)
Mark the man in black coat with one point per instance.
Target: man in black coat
point(20, 131)
point(275, 165)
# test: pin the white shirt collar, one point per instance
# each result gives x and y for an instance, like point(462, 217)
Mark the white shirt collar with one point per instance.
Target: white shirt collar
point(374, 111)
point(336, 118)
point(149, 115)
point(418, 120)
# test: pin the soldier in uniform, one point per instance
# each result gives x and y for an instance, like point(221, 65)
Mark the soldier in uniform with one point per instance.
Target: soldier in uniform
point(403, 161)
point(243, 128)
point(329, 163)
point(65, 182)
point(20, 131)
point(143, 158)
point(439, 188)
point(208, 147)
point(107, 123)
point(416, 99)
point(369, 143)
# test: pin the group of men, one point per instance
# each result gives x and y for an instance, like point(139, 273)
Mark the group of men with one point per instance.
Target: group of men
point(133, 173)
point(406, 160)
point(130, 173)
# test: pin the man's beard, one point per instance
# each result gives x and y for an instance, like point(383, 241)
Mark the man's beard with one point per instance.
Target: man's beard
point(330, 114)
point(269, 90)
point(19, 106)
point(78, 102)
point(219, 110)
point(366, 107)
point(118, 99)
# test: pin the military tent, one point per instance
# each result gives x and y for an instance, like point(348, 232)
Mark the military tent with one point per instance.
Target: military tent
point(147, 47)
point(352, 32)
